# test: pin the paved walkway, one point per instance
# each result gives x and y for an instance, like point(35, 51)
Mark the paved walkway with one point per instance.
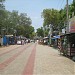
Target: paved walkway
point(49, 62)
point(34, 59)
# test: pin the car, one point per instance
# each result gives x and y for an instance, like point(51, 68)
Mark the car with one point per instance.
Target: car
point(19, 42)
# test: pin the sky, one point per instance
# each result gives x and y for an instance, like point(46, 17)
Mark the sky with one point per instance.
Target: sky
point(34, 8)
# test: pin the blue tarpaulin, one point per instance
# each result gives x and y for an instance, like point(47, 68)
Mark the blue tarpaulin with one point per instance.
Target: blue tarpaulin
point(4, 40)
point(57, 37)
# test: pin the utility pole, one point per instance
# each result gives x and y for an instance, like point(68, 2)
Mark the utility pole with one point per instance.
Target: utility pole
point(50, 33)
point(65, 46)
point(44, 30)
point(67, 11)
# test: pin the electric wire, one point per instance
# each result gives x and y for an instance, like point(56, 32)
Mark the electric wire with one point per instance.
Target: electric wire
point(59, 6)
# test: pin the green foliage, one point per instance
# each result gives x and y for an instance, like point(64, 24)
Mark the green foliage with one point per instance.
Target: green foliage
point(20, 30)
point(57, 17)
point(11, 21)
point(2, 13)
point(22, 23)
point(2, 0)
point(40, 32)
point(72, 8)
point(2, 5)
point(51, 16)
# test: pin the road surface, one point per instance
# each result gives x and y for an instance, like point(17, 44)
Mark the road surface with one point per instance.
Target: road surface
point(34, 59)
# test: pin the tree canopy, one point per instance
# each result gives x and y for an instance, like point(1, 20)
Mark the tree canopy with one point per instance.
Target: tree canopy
point(40, 32)
point(51, 16)
point(57, 18)
point(15, 23)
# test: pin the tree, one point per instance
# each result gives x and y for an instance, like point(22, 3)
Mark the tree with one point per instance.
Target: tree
point(72, 8)
point(21, 23)
point(51, 16)
point(2, 5)
point(2, 14)
point(20, 30)
point(26, 23)
point(32, 35)
point(24, 19)
point(31, 32)
point(40, 32)
point(12, 21)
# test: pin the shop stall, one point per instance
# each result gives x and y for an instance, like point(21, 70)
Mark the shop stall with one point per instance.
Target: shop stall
point(67, 44)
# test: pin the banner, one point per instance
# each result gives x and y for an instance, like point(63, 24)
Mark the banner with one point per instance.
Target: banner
point(72, 25)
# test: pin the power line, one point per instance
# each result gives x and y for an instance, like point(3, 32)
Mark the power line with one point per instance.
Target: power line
point(60, 6)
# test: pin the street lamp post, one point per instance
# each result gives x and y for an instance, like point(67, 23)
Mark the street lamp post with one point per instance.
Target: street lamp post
point(15, 36)
point(50, 33)
point(44, 31)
